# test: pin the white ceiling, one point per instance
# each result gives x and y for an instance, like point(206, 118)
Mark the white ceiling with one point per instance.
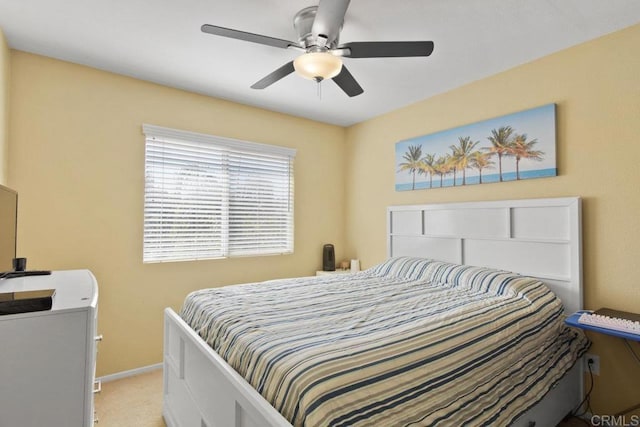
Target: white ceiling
point(161, 41)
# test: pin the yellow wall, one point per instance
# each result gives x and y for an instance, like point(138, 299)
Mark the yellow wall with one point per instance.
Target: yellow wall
point(4, 108)
point(77, 162)
point(596, 87)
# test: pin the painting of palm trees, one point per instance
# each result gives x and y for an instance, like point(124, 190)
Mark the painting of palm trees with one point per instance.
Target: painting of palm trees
point(514, 147)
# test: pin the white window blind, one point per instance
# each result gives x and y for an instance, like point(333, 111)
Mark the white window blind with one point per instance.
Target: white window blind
point(212, 197)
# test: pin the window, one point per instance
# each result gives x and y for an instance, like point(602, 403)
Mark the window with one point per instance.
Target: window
point(211, 197)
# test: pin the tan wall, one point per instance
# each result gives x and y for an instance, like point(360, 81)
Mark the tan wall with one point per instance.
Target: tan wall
point(597, 91)
point(77, 161)
point(4, 108)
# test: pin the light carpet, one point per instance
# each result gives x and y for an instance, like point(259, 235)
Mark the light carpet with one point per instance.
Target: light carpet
point(133, 401)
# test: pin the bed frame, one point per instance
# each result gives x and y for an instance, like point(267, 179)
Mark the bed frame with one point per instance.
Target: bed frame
point(535, 237)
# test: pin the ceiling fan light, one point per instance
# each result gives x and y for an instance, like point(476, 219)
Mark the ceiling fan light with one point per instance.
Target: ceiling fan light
point(317, 65)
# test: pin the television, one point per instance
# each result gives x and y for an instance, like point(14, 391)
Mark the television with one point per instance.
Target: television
point(8, 226)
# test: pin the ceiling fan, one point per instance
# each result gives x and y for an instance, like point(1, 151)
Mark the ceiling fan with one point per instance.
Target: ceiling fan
point(318, 29)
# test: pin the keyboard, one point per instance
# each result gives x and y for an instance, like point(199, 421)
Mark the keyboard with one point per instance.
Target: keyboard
point(628, 326)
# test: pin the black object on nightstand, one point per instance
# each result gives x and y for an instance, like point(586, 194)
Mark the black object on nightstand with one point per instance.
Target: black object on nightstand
point(328, 258)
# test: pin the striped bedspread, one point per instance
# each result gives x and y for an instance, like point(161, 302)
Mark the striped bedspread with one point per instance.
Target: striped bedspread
point(411, 342)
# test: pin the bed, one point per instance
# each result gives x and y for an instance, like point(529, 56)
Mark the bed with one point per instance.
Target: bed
point(448, 344)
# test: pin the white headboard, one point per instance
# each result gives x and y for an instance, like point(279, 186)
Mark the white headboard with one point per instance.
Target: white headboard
point(534, 237)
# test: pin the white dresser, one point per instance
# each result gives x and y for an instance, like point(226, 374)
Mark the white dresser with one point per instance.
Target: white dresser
point(47, 358)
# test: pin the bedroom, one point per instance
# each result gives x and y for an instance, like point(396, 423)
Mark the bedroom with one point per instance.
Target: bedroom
point(74, 151)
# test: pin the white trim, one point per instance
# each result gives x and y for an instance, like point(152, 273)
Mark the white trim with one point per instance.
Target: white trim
point(130, 373)
point(237, 144)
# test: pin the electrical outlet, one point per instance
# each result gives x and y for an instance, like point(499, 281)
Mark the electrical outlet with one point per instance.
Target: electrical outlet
point(595, 363)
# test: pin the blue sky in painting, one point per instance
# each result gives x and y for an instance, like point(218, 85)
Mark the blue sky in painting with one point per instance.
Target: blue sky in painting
point(537, 123)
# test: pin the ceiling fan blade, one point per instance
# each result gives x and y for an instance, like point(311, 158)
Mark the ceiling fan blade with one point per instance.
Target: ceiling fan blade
point(347, 83)
point(270, 79)
point(249, 37)
point(329, 19)
point(387, 49)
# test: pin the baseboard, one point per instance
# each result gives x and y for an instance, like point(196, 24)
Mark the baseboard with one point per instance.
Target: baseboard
point(130, 373)
point(169, 420)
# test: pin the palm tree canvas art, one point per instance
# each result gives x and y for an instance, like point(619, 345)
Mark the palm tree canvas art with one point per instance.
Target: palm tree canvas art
point(509, 148)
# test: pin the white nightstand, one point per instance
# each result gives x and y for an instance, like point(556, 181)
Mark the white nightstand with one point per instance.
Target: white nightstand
point(326, 273)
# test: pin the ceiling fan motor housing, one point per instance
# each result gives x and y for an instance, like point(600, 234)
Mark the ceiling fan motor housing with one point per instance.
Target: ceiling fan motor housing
point(303, 23)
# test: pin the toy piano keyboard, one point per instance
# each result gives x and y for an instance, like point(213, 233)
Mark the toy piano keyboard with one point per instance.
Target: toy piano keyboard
point(607, 321)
